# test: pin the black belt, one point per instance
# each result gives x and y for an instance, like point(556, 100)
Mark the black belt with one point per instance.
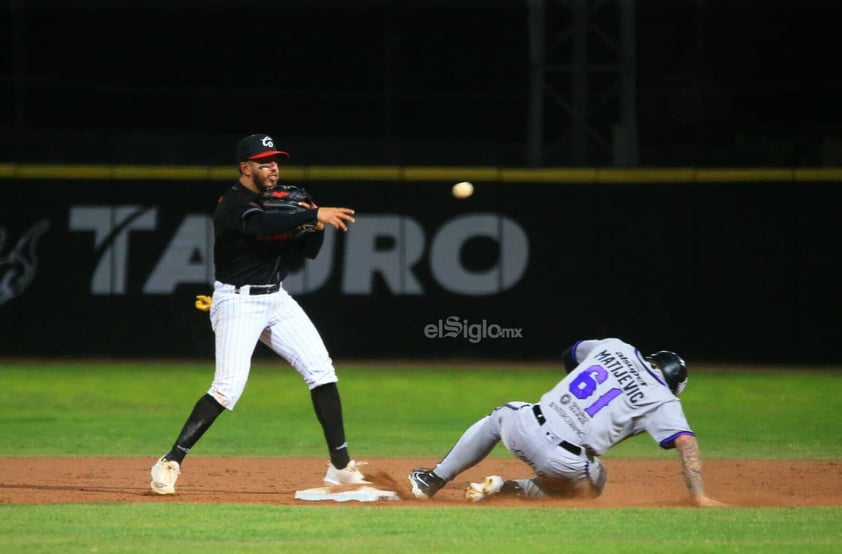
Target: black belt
point(259, 289)
point(569, 446)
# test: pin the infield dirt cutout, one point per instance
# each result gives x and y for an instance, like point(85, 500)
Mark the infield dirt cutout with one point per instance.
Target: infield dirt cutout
point(631, 483)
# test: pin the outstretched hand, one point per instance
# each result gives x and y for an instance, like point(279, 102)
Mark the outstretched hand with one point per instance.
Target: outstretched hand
point(338, 218)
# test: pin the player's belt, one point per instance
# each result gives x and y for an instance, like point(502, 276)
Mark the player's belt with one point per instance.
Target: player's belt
point(569, 446)
point(257, 289)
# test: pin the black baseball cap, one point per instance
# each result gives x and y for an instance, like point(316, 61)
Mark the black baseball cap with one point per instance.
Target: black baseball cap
point(257, 147)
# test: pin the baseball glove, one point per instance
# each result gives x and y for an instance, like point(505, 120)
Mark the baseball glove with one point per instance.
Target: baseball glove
point(290, 199)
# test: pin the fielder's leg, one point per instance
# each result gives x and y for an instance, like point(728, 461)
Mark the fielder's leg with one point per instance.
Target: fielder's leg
point(328, 408)
point(201, 418)
point(292, 335)
point(237, 322)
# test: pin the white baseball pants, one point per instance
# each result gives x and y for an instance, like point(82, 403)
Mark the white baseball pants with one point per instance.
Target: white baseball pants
point(240, 319)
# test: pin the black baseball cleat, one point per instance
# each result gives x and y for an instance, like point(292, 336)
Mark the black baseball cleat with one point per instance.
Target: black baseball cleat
point(425, 483)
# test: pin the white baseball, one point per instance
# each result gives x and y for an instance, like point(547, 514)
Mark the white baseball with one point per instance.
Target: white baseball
point(462, 190)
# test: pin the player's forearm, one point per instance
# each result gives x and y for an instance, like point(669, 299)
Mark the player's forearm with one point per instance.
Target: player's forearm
point(691, 464)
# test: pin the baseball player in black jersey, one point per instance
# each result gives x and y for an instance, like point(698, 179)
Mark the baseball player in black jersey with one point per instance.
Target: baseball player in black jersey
point(252, 249)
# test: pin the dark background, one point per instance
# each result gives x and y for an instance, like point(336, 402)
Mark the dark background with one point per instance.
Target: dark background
point(403, 82)
point(704, 269)
point(730, 271)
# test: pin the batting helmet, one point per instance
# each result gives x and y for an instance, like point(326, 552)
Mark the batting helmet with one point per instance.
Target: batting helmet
point(672, 367)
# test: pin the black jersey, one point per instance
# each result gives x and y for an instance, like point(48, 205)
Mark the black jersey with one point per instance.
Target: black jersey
point(253, 246)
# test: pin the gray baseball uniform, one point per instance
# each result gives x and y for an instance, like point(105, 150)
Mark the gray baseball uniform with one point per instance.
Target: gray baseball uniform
point(610, 395)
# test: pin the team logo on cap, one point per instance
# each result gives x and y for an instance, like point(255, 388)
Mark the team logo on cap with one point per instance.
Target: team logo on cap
point(267, 141)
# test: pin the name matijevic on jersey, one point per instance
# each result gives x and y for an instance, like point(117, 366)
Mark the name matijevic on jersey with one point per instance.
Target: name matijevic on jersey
point(625, 373)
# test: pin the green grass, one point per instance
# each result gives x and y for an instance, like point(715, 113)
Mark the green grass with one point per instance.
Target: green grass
point(136, 409)
point(153, 528)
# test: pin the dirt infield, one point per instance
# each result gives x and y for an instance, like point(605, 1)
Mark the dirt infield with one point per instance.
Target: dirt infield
point(631, 483)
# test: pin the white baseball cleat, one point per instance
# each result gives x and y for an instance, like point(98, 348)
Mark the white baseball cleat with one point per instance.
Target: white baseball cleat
point(350, 475)
point(164, 475)
point(480, 491)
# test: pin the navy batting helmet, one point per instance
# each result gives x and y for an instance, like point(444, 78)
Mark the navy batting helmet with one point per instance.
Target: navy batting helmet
point(673, 368)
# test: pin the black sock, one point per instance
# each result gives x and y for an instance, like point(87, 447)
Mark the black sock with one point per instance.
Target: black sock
point(328, 409)
point(201, 418)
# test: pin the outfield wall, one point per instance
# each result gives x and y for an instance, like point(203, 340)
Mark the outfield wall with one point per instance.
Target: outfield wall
point(719, 265)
